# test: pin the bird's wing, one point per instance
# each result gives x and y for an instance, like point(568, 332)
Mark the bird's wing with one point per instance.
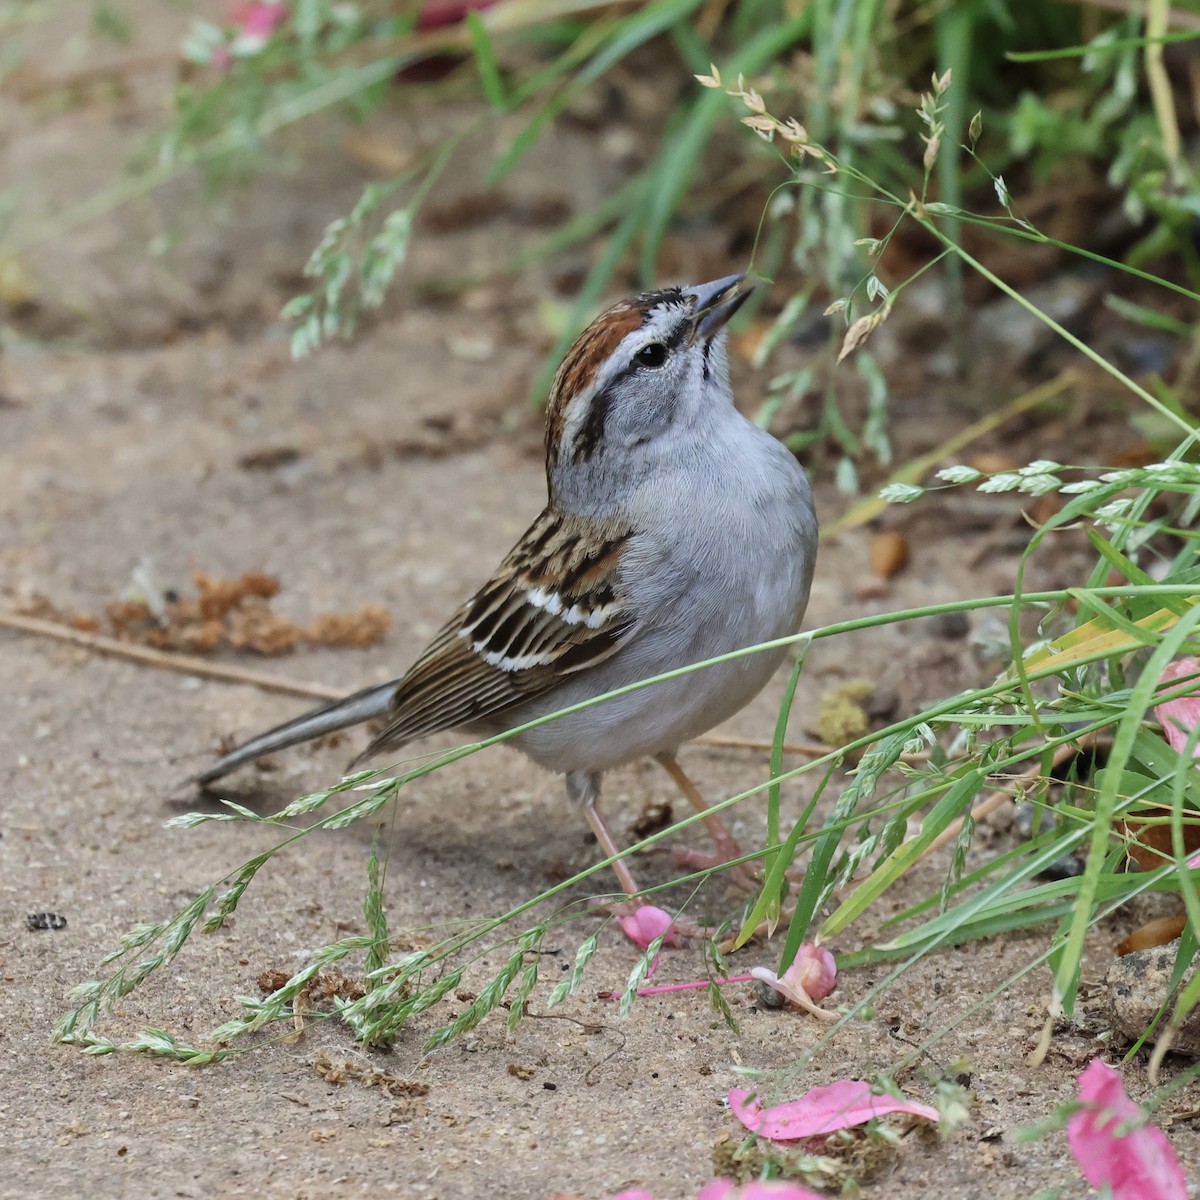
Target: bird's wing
point(555, 606)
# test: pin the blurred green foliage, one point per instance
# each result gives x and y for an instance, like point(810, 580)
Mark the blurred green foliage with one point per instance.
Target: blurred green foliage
point(849, 70)
point(1062, 91)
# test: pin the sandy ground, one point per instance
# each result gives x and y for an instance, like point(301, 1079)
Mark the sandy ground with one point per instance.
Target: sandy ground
point(129, 397)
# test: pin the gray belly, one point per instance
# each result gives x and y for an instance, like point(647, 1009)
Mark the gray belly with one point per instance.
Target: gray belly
point(659, 718)
point(645, 722)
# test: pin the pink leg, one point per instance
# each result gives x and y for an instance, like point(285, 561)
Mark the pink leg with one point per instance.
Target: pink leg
point(724, 842)
point(620, 869)
point(585, 790)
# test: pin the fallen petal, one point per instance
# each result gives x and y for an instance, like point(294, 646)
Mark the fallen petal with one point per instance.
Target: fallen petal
point(841, 1105)
point(725, 1189)
point(258, 19)
point(793, 993)
point(814, 969)
point(1180, 717)
point(812, 976)
point(645, 923)
point(1116, 1147)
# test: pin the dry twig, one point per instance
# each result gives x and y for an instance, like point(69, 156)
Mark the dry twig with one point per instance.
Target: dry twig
point(188, 664)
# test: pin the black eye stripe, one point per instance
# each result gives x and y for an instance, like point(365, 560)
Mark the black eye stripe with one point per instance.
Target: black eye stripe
point(670, 344)
point(673, 340)
point(679, 334)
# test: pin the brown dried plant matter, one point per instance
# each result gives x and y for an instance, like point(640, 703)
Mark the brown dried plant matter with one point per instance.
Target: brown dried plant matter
point(322, 989)
point(224, 614)
point(347, 1070)
point(1149, 840)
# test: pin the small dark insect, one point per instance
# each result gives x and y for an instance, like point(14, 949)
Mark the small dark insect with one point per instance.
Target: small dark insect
point(45, 920)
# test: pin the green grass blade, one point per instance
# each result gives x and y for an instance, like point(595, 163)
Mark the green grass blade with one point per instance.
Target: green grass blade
point(485, 61)
point(628, 35)
point(376, 913)
point(1105, 47)
point(1110, 618)
point(957, 798)
point(816, 875)
point(776, 876)
point(1067, 967)
point(781, 724)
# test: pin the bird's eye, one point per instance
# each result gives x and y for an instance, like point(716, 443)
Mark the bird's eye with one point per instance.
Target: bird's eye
point(653, 355)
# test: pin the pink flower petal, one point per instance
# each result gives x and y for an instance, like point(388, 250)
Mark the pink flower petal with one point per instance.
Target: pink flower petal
point(815, 969)
point(812, 976)
point(1114, 1145)
point(725, 1189)
point(841, 1105)
point(793, 992)
point(633, 1194)
point(438, 13)
point(645, 923)
point(257, 19)
point(1180, 717)
point(254, 23)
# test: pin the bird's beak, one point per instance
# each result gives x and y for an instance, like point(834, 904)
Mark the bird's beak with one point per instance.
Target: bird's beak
point(716, 303)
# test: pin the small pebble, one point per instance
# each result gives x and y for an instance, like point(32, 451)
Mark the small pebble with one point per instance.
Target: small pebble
point(1137, 986)
point(1066, 866)
point(952, 626)
point(888, 553)
point(767, 996)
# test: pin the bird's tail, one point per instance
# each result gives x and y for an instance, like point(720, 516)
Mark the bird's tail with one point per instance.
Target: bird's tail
point(338, 714)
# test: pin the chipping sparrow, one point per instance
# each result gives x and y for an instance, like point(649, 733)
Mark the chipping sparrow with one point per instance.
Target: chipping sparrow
point(675, 530)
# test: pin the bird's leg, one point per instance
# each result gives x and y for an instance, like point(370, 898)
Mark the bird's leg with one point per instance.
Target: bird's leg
point(584, 789)
point(724, 842)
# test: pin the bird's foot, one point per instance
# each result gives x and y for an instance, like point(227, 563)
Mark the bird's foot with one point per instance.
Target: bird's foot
point(742, 875)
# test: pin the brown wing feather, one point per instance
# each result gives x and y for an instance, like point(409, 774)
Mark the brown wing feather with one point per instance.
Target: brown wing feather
point(555, 606)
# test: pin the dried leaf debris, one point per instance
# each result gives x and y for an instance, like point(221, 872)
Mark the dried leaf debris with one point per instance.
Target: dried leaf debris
point(224, 614)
